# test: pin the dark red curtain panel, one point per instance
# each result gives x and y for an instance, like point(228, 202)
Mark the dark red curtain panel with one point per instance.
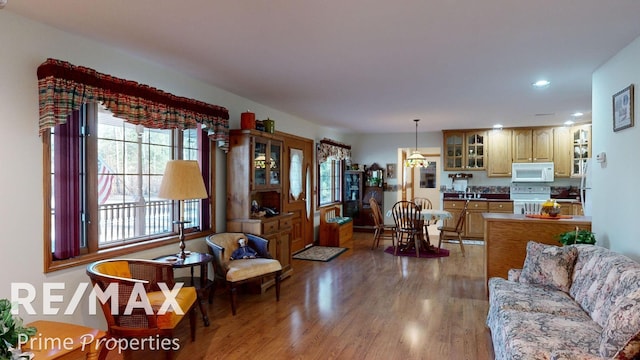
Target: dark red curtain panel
point(67, 188)
point(205, 169)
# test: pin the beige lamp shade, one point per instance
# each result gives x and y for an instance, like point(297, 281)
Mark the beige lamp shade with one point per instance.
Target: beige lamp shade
point(182, 180)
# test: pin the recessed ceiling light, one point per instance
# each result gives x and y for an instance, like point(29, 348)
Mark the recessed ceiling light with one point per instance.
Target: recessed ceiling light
point(577, 114)
point(541, 83)
point(568, 122)
point(497, 126)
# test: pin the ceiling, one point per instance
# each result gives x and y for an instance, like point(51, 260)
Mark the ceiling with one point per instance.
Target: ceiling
point(372, 66)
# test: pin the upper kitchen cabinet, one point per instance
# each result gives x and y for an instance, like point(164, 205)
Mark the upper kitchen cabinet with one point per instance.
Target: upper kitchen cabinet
point(499, 153)
point(465, 150)
point(562, 148)
point(533, 145)
point(581, 143)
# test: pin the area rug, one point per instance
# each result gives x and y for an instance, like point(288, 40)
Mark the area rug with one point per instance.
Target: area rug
point(423, 254)
point(319, 253)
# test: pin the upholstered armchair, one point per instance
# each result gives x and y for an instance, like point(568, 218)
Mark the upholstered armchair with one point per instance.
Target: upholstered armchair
point(235, 272)
point(129, 273)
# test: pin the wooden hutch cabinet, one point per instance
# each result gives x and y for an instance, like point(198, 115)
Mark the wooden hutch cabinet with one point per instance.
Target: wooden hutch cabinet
point(254, 192)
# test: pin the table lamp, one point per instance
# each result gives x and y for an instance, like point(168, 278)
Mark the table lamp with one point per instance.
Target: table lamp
point(181, 181)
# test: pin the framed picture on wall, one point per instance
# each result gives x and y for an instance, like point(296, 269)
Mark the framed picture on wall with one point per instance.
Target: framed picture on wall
point(623, 109)
point(391, 171)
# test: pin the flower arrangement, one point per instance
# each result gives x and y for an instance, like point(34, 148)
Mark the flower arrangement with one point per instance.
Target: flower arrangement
point(12, 331)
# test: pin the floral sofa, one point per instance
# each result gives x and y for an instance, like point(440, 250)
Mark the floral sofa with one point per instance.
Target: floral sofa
point(572, 302)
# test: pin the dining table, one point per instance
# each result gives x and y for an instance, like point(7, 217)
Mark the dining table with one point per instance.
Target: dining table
point(432, 216)
point(428, 217)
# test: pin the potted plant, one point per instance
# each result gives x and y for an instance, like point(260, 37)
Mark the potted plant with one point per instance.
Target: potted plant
point(577, 236)
point(12, 332)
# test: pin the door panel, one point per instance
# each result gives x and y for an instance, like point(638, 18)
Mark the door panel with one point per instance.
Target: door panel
point(298, 160)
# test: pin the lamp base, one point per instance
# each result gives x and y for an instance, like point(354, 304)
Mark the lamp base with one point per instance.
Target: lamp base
point(183, 255)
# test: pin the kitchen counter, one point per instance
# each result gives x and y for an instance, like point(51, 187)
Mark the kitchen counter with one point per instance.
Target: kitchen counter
point(506, 237)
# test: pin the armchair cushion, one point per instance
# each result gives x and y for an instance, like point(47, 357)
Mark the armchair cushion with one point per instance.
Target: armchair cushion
point(114, 268)
point(243, 269)
point(185, 298)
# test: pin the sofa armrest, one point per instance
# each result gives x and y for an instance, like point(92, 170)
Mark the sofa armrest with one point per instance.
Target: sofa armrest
point(573, 355)
point(514, 275)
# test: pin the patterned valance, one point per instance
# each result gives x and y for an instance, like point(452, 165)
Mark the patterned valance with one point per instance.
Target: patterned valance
point(327, 148)
point(64, 87)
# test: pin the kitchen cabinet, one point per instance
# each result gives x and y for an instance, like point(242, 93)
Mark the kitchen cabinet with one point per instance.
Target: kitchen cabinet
point(254, 183)
point(474, 224)
point(454, 206)
point(581, 143)
point(474, 221)
point(562, 147)
point(533, 145)
point(499, 153)
point(464, 150)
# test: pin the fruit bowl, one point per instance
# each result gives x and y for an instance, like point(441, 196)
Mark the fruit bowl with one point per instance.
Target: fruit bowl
point(550, 208)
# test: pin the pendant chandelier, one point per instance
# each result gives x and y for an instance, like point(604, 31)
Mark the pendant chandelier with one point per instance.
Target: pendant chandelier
point(416, 159)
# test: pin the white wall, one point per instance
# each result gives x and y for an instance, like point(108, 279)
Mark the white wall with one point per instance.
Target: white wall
point(616, 193)
point(25, 45)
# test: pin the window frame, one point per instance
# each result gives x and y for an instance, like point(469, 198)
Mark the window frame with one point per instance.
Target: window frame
point(92, 252)
point(336, 165)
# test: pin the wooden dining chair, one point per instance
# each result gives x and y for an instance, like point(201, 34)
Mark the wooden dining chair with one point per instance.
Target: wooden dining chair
point(455, 232)
point(381, 230)
point(406, 215)
point(424, 203)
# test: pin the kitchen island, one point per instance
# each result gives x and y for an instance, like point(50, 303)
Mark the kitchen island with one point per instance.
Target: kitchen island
point(506, 237)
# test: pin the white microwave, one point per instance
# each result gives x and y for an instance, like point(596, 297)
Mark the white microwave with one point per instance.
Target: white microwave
point(532, 172)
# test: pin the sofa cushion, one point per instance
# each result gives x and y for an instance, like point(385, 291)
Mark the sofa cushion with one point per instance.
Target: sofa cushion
point(602, 277)
point(512, 295)
point(522, 335)
point(622, 325)
point(549, 265)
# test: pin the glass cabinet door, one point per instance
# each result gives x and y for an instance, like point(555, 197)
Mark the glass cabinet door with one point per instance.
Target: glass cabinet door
point(581, 136)
point(275, 153)
point(260, 162)
point(267, 164)
point(475, 150)
point(454, 151)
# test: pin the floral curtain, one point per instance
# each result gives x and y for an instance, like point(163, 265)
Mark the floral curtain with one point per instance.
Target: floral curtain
point(327, 148)
point(64, 87)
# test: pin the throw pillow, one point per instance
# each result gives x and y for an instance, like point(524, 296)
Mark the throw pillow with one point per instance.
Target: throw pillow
point(549, 265)
point(623, 326)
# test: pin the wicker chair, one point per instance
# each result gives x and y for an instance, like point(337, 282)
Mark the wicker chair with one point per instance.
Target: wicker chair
point(235, 272)
point(128, 275)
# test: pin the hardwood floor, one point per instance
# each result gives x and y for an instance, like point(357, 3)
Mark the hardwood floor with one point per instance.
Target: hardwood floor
point(364, 304)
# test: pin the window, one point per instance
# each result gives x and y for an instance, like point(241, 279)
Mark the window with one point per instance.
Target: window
point(330, 182)
point(104, 179)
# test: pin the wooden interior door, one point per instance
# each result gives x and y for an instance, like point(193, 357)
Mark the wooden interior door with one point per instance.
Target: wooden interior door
point(298, 160)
